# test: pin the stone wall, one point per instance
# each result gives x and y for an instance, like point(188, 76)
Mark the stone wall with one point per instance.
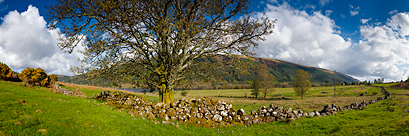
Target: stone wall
point(74, 92)
point(211, 113)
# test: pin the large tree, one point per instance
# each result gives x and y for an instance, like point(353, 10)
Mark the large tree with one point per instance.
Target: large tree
point(301, 83)
point(158, 42)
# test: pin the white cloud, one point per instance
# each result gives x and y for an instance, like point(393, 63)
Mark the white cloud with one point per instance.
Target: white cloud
point(328, 12)
point(342, 15)
point(354, 11)
point(1, 1)
point(313, 40)
point(365, 20)
point(393, 12)
point(301, 38)
point(400, 22)
point(273, 1)
point(310, 6)
point(26, 42)
point(323, 2)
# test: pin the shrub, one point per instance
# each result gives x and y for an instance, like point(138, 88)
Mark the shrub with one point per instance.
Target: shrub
point(375, 93)
point(183, 93)
point(5, 72)
point(33, 77)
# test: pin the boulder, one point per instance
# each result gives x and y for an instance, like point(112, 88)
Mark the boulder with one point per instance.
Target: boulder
point(217, 118)
point(241, 112)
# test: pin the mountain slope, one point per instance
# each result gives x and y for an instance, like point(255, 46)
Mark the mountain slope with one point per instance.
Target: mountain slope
point(282, 70)
point(285, 71)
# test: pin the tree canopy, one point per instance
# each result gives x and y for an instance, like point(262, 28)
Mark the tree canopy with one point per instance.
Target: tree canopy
point(157, 42)
point(301, 83)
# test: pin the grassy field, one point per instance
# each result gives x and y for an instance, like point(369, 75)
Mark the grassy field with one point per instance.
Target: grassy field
point(313, 100)
point(37, 111)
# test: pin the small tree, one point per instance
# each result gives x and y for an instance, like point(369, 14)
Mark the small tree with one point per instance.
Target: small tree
point(301, 83)
point(183, 93)
point(267, 80)
point(255, 87)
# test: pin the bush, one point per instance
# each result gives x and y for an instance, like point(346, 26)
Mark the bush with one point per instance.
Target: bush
point(183, 93)
point(5, 72)
point(33, 77)
point(49, 81)
point(374, 93)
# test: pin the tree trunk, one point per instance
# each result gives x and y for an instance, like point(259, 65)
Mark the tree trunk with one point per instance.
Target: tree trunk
point(165, 94)
point(265, 92)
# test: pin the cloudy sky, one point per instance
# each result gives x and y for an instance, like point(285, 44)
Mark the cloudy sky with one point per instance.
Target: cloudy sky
point(366, 39)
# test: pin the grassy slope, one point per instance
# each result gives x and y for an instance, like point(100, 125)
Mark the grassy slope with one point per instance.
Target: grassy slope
point(66, 115)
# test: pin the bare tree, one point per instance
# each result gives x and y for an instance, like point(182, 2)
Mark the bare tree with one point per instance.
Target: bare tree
point(301, 83)
point(158, 42)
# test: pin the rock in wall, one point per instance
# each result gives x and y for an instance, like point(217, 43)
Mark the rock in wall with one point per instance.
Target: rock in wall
point(211, 113)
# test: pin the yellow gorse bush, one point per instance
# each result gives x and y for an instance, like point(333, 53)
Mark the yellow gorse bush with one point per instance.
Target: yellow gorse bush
point(5, 72)
point(31, 76)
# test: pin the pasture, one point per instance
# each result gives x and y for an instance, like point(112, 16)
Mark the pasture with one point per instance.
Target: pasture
point(38, 111)
point(315, 99)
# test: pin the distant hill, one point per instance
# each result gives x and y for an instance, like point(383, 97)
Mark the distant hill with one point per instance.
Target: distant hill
point(285, 71)
point(282, 70)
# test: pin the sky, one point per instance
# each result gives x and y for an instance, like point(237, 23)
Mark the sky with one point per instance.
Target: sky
point(365, 39)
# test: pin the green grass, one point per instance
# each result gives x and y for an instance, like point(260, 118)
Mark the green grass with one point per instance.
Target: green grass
point(67, 115)
point(314, 91)
point(313, 100)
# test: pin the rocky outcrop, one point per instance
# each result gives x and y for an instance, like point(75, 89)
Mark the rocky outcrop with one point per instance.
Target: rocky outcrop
point(211, 113)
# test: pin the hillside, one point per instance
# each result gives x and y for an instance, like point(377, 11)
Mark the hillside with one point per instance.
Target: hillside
point(285, 71)
point(282, 70)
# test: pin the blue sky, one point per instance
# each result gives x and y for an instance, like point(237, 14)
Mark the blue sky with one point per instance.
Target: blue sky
point(366, 39)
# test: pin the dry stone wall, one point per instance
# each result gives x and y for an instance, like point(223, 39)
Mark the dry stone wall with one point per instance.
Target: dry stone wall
point(211, 113)
point(74, 92)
